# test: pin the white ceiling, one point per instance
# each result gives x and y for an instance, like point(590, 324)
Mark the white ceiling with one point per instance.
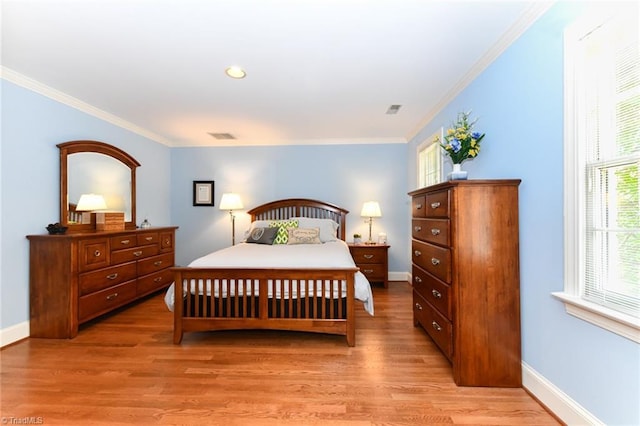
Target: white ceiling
point(318, 71)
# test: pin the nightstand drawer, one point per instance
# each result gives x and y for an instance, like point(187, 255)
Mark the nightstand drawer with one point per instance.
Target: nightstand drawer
point(364, 254)
point(373, 271)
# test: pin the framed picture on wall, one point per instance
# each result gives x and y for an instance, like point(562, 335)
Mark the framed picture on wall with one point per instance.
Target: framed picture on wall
point(203, 192)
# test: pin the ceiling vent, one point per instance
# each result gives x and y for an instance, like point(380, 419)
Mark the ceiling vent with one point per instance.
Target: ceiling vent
point(393, 109)
point(222, 136)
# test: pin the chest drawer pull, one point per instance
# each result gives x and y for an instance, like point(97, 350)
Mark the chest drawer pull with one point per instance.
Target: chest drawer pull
point(418, 206)
point(434, 261)
point(436, 326)
point(137, 253)
point(167, 242)
point(148, 238)
point(436, 294)
point(417, 228)
point(157, 280)
point(157, 263)
point(368, 256)
point(125, 242)
point(435, 231)
point(112, 296)
point(112, 276)
point(417, 252)
point(418, 279)
point(97, 253)
point(435, 205)
point(368, 271)
point(418, 306)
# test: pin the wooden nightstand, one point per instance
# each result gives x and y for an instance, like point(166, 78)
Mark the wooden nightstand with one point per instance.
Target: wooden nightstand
point(373, 261)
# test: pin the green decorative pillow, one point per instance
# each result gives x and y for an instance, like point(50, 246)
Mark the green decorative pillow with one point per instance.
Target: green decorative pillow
point(283, 226)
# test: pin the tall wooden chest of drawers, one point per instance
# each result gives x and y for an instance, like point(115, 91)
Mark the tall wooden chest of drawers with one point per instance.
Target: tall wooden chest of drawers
point(466, 278)
point(74, 278)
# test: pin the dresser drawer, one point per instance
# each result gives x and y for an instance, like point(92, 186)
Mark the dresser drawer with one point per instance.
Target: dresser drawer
point(103, 278)
point(135, 253)
point(433, 259)
point(437, 326)
point(166, 241)
point(433, 290)
point(437, 204)
point(431, 230)
point(147, 238)
point(155, 264)
point(94, 254)
point(95, 304)
point(152, 282)
point(418, 206)
point(123, 241)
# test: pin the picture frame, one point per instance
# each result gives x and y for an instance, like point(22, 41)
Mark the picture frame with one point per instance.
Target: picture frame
point(203, 193)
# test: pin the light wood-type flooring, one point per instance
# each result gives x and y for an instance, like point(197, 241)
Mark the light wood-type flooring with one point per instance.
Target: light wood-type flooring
point(125, 370)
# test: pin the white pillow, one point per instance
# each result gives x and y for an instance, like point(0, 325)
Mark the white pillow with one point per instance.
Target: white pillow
point(304, 236)
point(327, 227)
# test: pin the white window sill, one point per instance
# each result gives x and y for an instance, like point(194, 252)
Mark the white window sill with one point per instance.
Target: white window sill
point(616, 322)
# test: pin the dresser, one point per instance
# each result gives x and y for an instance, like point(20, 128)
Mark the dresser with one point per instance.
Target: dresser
point(466, 279)
point(76, 277)
point(373, 261)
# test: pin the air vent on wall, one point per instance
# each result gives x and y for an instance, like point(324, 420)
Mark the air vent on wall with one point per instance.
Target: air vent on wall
point(222, 136)
point(393, 109)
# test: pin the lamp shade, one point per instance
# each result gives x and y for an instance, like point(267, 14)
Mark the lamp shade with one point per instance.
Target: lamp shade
point(91, 202)
point(371, 209)
point(230, 201)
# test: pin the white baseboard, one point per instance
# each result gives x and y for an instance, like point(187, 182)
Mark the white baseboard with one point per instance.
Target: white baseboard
point(399, 276)
point(565, 408)
point(14, 333)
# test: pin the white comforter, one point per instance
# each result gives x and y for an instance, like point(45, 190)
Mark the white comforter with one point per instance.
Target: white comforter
point(333, 254)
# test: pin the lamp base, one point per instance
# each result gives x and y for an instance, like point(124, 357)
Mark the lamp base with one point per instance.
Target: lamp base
point(370, 243)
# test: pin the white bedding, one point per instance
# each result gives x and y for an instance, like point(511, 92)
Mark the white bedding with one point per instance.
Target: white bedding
point(333, 254)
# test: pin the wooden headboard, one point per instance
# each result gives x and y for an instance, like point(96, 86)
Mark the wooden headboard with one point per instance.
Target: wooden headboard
point(301, 207)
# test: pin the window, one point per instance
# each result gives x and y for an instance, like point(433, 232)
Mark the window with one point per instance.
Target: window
point(430, 161)
point(602, 161)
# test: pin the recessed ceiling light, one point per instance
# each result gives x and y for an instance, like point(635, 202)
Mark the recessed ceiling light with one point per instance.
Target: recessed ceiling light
point(393, 109)
point(235, 72)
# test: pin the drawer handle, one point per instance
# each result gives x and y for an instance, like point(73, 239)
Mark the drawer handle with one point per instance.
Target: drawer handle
point(418, 306)
point(435, 231)
point(418, 279)
point(125, 242)
point(417, 253)
point(97, 253)
point(435, 205)
point(157, 263)
point(112, 276)
point(137, 253)
point(112, 296)
point(436, 326)
point(157, 280)
point(167, 242)
point(434, 261)
point(368, 271)
point(436, 294)
point(368, 256)
point(417, 228)
point(148, 238)
point(418, 206)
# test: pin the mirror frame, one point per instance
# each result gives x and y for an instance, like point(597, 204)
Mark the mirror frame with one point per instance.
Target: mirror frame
point(73, 147)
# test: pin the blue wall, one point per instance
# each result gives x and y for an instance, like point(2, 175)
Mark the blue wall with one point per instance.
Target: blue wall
point(519, 103)
point(345, 175)
point(32, 126)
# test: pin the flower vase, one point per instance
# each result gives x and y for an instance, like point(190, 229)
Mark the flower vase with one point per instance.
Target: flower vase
point(457, 173)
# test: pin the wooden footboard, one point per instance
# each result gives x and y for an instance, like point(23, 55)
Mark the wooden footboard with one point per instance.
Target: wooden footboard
point(311, 300)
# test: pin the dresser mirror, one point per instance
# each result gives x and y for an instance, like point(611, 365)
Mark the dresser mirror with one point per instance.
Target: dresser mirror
point(91, 167)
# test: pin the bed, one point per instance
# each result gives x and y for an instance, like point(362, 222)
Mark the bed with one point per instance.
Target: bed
point(309, 287)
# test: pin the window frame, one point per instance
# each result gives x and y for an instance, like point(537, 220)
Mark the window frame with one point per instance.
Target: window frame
point(574, 195)
point(424, 146)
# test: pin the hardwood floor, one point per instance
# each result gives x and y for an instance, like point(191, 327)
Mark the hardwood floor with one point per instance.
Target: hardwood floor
point(124, 369)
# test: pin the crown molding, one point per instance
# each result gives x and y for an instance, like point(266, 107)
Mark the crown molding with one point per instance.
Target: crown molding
point(44, 90)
